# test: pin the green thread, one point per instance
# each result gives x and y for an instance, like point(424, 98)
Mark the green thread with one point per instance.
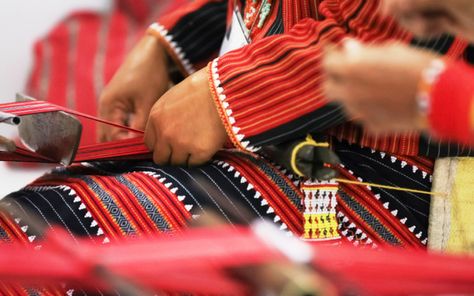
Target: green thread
point(264, 12)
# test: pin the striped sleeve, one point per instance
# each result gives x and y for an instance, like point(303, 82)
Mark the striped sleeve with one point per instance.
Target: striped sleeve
point(193, 33)
point(269, 91)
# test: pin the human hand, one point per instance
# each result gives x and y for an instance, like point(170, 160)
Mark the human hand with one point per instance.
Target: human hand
point(377, 85)
point(184, 127)
point(7, 145)
point(433, 17)
point(139, 82)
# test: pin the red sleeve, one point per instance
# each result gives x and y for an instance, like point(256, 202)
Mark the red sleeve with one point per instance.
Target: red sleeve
point(451, 114)
point(270, 91)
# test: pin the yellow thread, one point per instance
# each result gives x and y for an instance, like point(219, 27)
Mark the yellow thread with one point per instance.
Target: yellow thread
point(308, 141)
point(472, 115)
point(391, 187)
point(315, 188)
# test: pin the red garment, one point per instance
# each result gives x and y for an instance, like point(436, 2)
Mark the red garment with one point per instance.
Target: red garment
point(265, 86)
point(269, 92)
point(451, 113)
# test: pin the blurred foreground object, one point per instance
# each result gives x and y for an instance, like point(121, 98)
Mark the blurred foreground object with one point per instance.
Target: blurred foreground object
point(433, 17)
point(199, 260)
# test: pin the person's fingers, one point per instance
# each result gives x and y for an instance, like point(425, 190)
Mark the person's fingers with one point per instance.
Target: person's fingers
point(7, 145)
point(150, 135)
point(416, 6)
point(333, 62)
point(389, 7)
point(141, 113)
point(353, 111)
point(138, 120)
point(111, 133)
point(162, 153)
point(116, 110)
point(334, 89)
point(339, 62)
point(195, 160)
point(426, 27)
point(161, 148)
point(179, 156)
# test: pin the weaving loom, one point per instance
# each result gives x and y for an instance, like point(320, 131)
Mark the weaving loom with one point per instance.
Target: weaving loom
point(58, 140)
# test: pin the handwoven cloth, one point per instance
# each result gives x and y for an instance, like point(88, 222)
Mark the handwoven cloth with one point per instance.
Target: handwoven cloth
point(451, 226)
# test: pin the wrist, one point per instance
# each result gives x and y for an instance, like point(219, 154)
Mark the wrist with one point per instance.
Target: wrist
point(153, 46)
point(179, 66)
point(429, 77)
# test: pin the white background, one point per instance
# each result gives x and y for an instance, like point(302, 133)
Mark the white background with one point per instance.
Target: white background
point(21, 23)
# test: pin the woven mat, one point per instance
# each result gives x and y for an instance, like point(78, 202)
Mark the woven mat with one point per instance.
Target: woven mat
point(452, 217)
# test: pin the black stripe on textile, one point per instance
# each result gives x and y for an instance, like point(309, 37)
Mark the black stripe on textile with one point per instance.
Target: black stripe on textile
point(368, 218)
point(314, 122)
point(440, 45)
point(275, 175)
point(278, 26)
point(469, 54)
point(431, 147)
point(382, 168)
point(206, 188)
point(53, 207)
point(196, 32)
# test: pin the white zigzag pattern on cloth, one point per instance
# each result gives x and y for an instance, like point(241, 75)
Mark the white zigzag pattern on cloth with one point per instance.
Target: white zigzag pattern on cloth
point(228, 111)
point(358, 231)
point(394, 212)
point(257, 195)
point(173, 189)
point(174, 46)
point(77, 200)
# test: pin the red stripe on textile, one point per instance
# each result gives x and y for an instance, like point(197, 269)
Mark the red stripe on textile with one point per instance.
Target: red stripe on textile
point(161, 197)
point(277, 199)
point(8, 291)
point(87, 43)
point(149, 196)
point(175, 207)
point(59, 65)
point(12, 229)
point(90, 199)
point(33, 85)
point(95, 206)
point(104, 184)
point(426, 165)
point(116, 48)
point(131, 203)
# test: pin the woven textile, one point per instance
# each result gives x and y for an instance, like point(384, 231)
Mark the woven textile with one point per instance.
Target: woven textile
point(452, 222)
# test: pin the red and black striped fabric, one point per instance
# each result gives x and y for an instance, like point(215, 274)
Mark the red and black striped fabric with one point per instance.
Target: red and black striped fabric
point(267, 92)
point(106, 201)
point(270, 91)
